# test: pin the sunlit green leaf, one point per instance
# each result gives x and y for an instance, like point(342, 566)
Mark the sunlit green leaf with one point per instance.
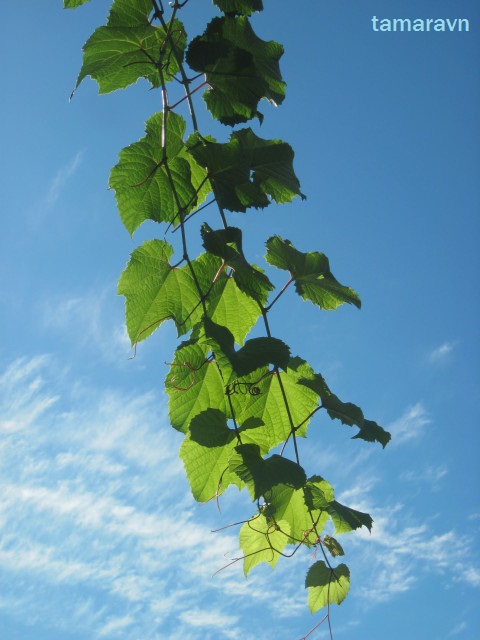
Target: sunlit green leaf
point(262, 541)
point(130, 13)
point(247, 171)
point(287, 503)
point(205, 453)
point(194, 385)
point(145, 188)
point(326, 586)
point(117, 56)
point(239, 67)
point(268, 405)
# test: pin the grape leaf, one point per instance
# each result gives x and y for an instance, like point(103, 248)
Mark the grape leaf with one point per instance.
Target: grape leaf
point(239, 67)
point(205, 453)
point(347, 412)
point(346, 519)
point(227, 245)
point(268, 404)
point(117, 56)
point(333, 546)
point(262, 541)
point(261, 475)
point(141, 179)
point(130, 13)
point(287, 503)
point(247, 171)
point(326, 586)
point(193, 385)
point(255, 354)
point(239, 7)
point(73, 4)
point(311, 273)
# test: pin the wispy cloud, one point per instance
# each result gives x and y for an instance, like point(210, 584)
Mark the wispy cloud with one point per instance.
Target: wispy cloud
point(440, 353)
point(61, 178)
point(410, 426)
point(96, 517)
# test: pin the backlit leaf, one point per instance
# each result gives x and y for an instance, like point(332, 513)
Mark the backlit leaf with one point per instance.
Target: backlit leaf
point(239, 67)
point(326, 586)
point(262, 541)
point(247, 171)
point(143, 183)
point(346, 519)
point(261, 475)
point(240, 7)
point(311, 273)
point(117, 55)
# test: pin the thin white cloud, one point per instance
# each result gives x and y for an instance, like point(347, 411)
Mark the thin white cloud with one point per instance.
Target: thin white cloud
point(431, 475)
point(457, 629)
point(410, 426)
point(440, 353)
point(61, 178)
point(95, 512)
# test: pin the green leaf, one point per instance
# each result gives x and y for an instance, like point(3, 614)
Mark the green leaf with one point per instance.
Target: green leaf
point(227, 245)
point(256, 353)
point(240, 68)
point(262, 475)
point(73, 4)
point(205, 453)
point(239, 7)
point(290, 504)
point(130, 13)
point(333, 546)
point(311, 273)
point(117, 56)
point(346, 519)
point(143, 182)
point(247, 171)
point(194, 385)
point(347, 412)
point(372, 432)
point(318, 494)
point(326, 586)
point(268, 404)
point(262, 541)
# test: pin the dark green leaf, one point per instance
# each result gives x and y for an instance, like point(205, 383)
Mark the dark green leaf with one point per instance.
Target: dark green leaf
point(347, 412)
point(240, 68)
point(239, 7)
point(227, 244)
point(142, 184)
point(262, 475)
point(346, 519)
point(318, 493)
point(311, 272)
point(262, 541)
point(73, 4)
point(256, 353)
point(326, 586)
point(247, 171)
point(372, 432)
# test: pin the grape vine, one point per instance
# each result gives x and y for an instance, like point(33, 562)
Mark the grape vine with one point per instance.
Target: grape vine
point(236, 400)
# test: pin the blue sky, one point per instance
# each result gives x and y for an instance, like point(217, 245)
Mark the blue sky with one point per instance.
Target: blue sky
point(99, 536)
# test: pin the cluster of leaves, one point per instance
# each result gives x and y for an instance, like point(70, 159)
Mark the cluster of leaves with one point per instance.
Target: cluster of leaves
point(237, 400)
